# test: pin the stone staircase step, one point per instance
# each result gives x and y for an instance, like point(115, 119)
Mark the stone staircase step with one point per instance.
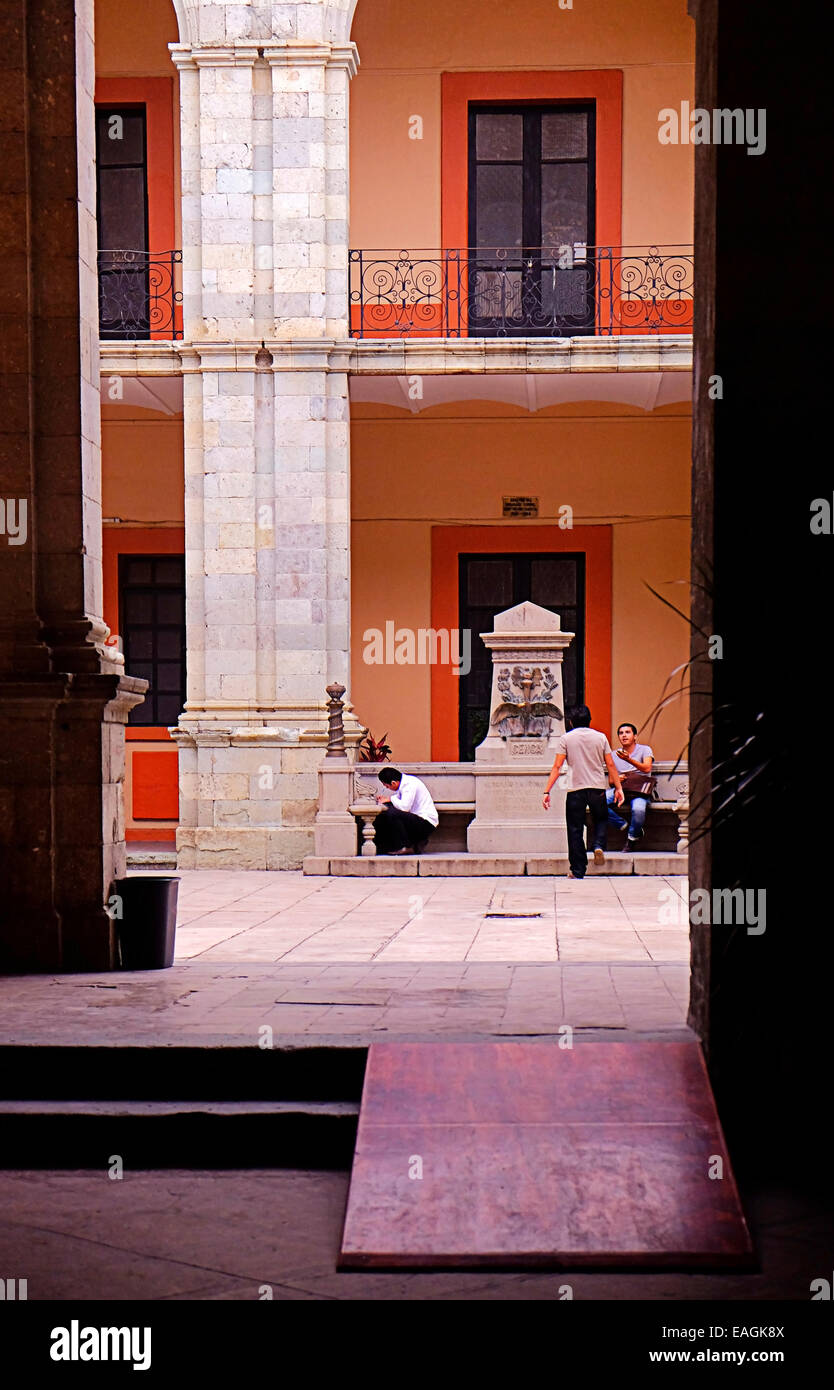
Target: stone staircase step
point(479, 865)
point(171, 1107)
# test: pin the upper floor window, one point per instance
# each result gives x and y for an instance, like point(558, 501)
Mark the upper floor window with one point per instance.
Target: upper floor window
point(531, 214)
point(121, 154)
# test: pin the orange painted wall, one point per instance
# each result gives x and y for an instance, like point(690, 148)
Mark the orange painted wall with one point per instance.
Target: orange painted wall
point(395, 181)
point(132, 40)
point(615, 465)
point(133, 64)
point(143, 478)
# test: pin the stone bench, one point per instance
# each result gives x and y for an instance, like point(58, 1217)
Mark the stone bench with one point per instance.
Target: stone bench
point(449, 837)
point(667, 829)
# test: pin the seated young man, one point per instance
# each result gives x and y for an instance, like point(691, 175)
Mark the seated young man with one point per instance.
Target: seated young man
point(409, 815)
point(631, 756)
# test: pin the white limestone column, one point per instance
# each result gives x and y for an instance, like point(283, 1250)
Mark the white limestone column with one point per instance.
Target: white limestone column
point(264, 138)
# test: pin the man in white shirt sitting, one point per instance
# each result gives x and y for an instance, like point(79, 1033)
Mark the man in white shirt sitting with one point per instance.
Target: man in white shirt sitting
point(409, 815)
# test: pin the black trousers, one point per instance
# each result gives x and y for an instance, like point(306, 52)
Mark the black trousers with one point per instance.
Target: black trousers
point(397, 829)
point(576, 803)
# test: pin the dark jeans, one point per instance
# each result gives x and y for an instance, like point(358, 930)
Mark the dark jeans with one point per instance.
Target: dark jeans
point(400, 830)
point(576, 803)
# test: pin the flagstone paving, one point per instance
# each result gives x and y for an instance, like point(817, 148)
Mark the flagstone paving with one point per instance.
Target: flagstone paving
point(225, 916)
point(357, 960)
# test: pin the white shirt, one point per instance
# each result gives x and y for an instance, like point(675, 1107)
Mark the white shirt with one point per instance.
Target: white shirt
point(413, 795)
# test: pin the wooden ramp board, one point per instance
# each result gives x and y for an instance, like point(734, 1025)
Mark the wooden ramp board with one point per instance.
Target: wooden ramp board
point(533, 1155)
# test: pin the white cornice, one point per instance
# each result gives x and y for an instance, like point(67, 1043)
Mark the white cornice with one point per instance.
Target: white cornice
point(295, 53)
point(403, 357)
point(291, 53)
point(186, 55)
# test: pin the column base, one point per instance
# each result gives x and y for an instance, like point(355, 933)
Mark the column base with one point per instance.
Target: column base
point(61, 818)
point(243, 847)
point(249, 793)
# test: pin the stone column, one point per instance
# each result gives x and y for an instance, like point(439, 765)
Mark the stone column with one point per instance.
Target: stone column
point(64, 697)
point(266, 441)
point(527, 714)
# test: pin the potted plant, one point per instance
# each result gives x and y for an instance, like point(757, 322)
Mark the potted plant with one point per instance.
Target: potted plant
point(371, 750)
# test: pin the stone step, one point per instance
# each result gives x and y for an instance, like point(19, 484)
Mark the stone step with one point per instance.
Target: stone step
point(482, 865)
point(178, 1134)
point(158, 857)
point(180, 1107)
point(307, 1072)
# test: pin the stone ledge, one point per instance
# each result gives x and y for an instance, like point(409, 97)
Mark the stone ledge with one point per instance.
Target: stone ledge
point(316, 864)
point(469, 865)
point(401, 356)
point(485, 866)
point(661, 863)
point(382, 866)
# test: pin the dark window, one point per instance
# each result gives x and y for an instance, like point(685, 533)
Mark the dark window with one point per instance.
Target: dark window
point(121, 155)
point(491, 583)
point(152, 624)
point(531, 216)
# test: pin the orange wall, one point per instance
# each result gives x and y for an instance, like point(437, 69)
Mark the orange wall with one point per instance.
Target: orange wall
point(395, 181)
point(132, 40)
point(142, 465)
point(454, 464)
point(132, 45)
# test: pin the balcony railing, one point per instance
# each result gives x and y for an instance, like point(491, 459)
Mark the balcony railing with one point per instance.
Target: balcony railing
point(137, 295)
point(502, 292)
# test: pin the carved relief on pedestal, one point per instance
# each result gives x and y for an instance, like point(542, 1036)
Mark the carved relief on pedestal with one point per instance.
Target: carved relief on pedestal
point(526, 711)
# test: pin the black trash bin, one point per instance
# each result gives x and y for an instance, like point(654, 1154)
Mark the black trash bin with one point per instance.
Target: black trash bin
point(147, 926)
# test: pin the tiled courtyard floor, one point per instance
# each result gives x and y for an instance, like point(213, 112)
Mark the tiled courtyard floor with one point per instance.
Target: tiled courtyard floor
point(363, 959)
point(229, 916)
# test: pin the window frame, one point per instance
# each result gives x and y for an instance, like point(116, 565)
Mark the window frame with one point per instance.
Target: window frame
point(145, 714)
point(519, 558)
point(531, 164)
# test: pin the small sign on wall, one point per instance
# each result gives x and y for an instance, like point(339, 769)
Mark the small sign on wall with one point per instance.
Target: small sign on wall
point(521, 506)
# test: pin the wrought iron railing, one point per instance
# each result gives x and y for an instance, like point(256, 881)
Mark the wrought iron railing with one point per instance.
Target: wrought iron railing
point(137, 294)
point(502, 292)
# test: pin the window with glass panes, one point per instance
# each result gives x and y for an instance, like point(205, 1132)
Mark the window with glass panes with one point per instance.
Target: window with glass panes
point(531, 199)
point(488, 584)
point(122, 173)
point(152, 626)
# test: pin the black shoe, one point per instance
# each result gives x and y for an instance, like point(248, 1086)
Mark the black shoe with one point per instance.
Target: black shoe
point(631, 846)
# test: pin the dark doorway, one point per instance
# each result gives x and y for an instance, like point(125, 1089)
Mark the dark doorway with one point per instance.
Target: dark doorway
point(152, 625)
point(487, 584)
point(531, 219)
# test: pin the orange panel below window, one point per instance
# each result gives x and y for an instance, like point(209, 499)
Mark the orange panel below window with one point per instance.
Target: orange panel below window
point(155, 786)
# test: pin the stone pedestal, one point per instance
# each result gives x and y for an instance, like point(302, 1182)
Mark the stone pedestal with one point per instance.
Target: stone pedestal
point(526, 717)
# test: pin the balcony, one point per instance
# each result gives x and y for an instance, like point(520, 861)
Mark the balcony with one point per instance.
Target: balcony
point(500, 292)
point(138, 295)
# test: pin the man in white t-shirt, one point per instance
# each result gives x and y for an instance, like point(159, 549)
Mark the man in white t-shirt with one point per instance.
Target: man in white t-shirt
point(409, 815)
point(631, 756)
point(588, 756)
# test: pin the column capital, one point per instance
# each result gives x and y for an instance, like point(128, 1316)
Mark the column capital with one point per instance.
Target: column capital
point(295, 53)
point(187, 55)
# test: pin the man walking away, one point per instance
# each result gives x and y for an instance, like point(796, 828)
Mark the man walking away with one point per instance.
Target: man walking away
point(409, 815)
point(631, 756)
point(589, 759)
